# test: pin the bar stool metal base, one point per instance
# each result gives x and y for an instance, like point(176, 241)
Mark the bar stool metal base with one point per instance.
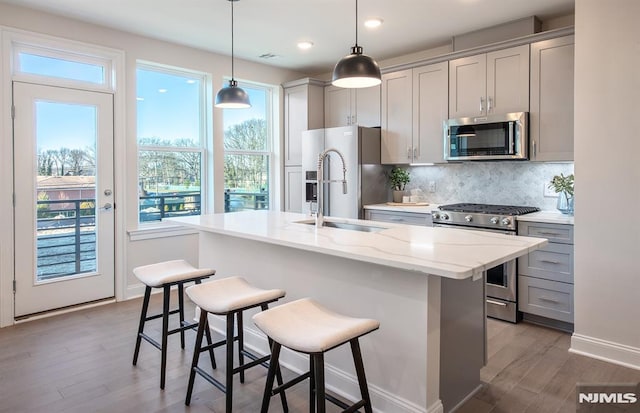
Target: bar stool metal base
point(317, 392)
point(228, 341)
point(166, 312)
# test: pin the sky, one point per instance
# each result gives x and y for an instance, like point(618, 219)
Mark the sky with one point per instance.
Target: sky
point(167, 105)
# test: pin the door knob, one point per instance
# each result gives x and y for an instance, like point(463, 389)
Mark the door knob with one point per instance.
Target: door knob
point(107, 207)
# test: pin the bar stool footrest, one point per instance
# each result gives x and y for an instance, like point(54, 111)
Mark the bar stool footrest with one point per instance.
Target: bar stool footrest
point(208, 377)
point(255, 361)
point(151, 341)
point(290, 383)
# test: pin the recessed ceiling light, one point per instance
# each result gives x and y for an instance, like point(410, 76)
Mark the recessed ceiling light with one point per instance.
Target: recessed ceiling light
point(373, 22)
point(305, 45)
point(162, 90)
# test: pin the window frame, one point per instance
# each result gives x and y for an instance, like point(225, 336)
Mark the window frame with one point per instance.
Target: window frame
point(202, 148)
point(51, 51)
point(269, 151)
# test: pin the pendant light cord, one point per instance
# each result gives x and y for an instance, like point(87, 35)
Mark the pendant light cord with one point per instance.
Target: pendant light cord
point(232, 68)
point(356, 23)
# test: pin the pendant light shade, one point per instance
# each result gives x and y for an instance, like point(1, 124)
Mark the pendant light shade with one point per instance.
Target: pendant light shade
point(232, 96)
point(356, 70)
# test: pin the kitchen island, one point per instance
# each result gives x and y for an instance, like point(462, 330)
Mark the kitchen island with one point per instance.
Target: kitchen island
point(423, 284)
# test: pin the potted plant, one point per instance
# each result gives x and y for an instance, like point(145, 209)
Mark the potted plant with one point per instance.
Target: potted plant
point(398, 179)
point(563, 186)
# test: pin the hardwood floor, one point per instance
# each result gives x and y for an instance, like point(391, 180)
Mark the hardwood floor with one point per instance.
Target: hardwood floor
point(81, 362)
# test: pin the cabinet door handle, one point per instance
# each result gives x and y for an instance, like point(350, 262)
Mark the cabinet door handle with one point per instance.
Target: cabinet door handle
point(534, 149)
point(415, 153)
point(481, 105)
point(496, 303)
point(551, 234)
point(409, 151)
point(489, 104)
point(348, 120)
point(550, 262)
point(549, 300)
point(353, 119)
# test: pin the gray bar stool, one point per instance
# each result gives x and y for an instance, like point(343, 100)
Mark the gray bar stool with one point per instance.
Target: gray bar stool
point(165, 275)
point(229, 297)
point(307, 327)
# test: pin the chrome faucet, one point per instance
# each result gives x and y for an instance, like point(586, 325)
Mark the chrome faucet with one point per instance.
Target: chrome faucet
point(321, 158)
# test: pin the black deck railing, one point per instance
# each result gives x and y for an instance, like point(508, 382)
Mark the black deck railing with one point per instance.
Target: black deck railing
point(66, 238)
point(242, 201)
point(155, 207)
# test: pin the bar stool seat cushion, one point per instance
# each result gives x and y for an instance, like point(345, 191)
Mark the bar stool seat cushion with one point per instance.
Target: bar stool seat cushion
point(229, 294)
point(158, 274)
point(306, 326)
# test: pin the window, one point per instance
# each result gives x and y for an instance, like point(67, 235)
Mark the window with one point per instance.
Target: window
point(53, 65)
point(171, 136)
point(248, 152)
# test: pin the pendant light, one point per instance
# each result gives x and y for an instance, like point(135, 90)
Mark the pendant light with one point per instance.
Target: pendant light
point(356, 70)
point(232, 96)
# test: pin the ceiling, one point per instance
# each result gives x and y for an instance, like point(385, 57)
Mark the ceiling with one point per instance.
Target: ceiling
point(273, 27)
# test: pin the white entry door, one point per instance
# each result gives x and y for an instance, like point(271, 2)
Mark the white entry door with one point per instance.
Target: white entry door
point(64, 200)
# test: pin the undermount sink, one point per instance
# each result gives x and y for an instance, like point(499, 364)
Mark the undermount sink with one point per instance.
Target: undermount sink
point(344, 225)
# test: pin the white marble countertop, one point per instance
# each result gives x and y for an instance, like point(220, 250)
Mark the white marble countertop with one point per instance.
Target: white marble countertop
point(419, 209)
point(552, 216)
point(452, 253)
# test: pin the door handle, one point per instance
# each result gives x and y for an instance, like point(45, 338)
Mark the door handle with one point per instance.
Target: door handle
point(106, 207)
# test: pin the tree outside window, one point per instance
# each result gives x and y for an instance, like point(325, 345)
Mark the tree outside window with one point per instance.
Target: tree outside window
point(170, 142)
point(247, 160)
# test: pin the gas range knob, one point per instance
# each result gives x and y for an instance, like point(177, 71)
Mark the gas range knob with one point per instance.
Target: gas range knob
point(468, 218)
point(505, 221)
point(435, 215)
point(444, 217)
point(494, 220)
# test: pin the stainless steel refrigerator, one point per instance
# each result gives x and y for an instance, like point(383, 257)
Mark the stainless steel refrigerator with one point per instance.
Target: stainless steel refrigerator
point(366, 177)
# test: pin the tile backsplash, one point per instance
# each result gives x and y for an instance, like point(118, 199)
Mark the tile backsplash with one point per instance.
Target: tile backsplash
point(506, 183)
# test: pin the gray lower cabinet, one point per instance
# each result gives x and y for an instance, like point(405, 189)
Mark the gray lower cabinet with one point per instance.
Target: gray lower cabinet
point(399, 217)
point(545, 276)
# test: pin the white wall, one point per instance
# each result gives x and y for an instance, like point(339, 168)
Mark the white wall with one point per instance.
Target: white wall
point(607, 165)
point(135, 47)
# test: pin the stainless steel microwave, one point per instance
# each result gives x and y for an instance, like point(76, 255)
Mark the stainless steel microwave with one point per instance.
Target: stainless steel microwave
point(493, 137)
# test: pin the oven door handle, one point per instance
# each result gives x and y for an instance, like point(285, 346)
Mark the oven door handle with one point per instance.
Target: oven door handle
point(496, 303)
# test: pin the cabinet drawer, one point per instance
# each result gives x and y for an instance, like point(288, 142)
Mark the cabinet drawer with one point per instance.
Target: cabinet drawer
point(553, 262)
point(408, 218)
point(546, 298)
point(553, 232)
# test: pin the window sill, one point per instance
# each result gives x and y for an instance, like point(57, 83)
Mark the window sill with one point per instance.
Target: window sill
point(159, 231)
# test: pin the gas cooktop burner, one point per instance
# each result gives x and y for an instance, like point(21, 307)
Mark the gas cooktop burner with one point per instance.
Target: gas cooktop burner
point(489, 209)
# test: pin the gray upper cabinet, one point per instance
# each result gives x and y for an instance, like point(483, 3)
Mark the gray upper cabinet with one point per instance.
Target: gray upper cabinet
point(397, 117)
point(551, 116)
point(303, 110)
point(489, 83)
point(414, 106)
point(344, 107)
point(430, 110)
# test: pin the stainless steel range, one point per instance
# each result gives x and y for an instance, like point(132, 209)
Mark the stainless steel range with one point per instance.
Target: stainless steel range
point(501, 288)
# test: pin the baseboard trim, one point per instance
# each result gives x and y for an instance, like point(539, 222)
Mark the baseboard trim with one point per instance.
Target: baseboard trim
point(467, 398)
point(337, 381)
point(604, 350)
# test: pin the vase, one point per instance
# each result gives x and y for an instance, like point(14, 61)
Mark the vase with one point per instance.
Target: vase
point(565, 203)
point(397, 196)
